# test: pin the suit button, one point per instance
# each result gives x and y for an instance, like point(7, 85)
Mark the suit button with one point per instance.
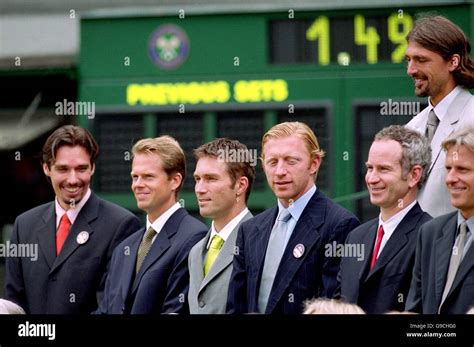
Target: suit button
point(123, 308)
point(202, 304)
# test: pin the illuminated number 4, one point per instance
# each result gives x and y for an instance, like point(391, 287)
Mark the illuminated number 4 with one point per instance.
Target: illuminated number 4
point(368, 37)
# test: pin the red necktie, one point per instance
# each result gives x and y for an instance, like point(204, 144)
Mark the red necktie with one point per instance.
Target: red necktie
point(377, 247)
point(63, 230)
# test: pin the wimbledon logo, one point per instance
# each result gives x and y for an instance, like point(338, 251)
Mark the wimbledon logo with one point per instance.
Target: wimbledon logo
point(168, 46)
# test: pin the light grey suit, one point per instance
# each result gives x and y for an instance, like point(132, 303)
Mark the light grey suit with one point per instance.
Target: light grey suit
point(434, 197)
point(208, 295)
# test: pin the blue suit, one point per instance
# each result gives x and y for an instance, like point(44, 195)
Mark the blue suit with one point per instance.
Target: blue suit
point(161, 285)
point(297, 278)
point(73, 281)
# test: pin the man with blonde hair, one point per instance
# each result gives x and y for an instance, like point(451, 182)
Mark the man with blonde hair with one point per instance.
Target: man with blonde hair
point(280, 256)
point(443, 274)
point(149, 270)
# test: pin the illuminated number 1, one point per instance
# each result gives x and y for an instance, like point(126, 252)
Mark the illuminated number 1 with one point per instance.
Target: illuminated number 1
point(367, 37)
point(320, 30)
point(397, 36)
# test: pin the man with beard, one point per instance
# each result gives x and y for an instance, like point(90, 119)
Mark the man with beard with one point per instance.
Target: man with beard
point(439, 61)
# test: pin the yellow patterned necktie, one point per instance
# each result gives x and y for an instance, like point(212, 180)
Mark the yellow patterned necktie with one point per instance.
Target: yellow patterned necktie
point(213, 252)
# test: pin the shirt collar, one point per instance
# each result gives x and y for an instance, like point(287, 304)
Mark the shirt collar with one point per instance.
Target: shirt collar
point(391, 224)
point(298, 206)
point(461, 219)
point(443, 106)
point(73, 212)
point(161, 220)
point(228, 228)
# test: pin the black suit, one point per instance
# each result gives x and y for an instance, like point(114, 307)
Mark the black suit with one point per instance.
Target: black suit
point(386, 286)
point(433, 254)
point(73, 281)
point(298, 278)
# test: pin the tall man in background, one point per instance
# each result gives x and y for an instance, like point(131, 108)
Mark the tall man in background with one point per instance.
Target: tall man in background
point(439, 61)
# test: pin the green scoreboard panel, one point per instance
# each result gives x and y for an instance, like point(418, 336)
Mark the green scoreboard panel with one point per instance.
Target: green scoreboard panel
point(200, 76)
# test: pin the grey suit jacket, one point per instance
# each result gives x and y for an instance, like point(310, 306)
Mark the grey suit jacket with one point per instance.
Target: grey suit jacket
point(433, 253)
point(208, 295)
point(434, 197)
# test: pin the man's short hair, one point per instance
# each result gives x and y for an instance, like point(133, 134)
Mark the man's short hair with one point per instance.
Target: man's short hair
point(438, 34)
point(415, 148)
point(240, 168)
point(69, 135)
point(461, 137)
point(170, 152)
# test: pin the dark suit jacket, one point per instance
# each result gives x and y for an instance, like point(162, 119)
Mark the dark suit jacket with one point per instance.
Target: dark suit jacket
point(297, 279)
point(433, 253)
point(72, 282)
point(162, 284)
point(386, 286)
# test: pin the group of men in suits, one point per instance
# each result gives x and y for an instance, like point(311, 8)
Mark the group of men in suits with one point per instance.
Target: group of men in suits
point(95, 257)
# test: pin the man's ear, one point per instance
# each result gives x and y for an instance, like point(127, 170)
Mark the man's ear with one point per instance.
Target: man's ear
point(415, 176)
point(177, 179)
point(241, 185)
point(454, 62)
point(46, 170)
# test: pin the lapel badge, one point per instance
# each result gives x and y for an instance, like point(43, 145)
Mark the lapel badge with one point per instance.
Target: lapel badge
point(298, 251)
point(82, 237)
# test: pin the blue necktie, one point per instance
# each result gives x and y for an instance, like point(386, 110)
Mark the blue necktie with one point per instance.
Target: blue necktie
point(275, 250)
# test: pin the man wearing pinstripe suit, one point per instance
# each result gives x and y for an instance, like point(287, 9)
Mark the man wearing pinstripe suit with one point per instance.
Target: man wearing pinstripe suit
point(279, 265)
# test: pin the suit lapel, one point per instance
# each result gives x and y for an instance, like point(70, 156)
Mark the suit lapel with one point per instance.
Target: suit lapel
point(160, 245)
point(87, 214)
point(305, 233)
point(466, 264)
point(47, 235)
point(198, 262)
point(399, 238)
point(129, 264)
point(442, 255)
point(226, 254)
point(369, 242)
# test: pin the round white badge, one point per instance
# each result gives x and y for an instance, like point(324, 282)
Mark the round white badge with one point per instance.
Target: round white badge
point(298, 251)
point(82, 237)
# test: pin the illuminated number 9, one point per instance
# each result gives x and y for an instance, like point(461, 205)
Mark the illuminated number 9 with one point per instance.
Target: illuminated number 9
point(368, 37)
point(399, 37)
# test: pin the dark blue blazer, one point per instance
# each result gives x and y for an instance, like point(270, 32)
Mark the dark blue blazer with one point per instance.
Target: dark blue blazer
point(297, 279)
point(72, 282)
point(433, 254)
point(162, 284)
point(385, 287)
